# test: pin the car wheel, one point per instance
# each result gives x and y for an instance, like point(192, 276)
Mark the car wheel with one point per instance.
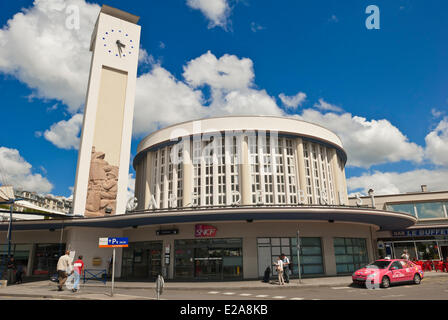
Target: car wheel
point(385, 282)
point(417, 279)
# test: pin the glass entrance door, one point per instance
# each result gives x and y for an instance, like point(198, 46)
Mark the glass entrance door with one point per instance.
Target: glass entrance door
point(207, 264)
point(142, 260)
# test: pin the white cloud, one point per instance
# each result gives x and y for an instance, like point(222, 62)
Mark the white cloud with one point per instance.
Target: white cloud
point(162, 100)
point(15, 171)
point(322, 105)
point(437, 144)
point(131, 186)
point(436, 113)
point(65, 134)
point(367, 142)
point(144, 57)
point(333, 19)
point(229, 78)
point(228, 72)
point(293, 101)
point(394, 183)
point(38, 49)
point(216, 11)
point(255, 27)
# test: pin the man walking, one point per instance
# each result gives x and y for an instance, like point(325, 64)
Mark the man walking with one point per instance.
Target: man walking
point(285, 267)
point(11, 268)
point(64, 266)
point(78, 268)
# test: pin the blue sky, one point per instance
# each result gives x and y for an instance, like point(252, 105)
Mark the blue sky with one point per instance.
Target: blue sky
point(387, 88)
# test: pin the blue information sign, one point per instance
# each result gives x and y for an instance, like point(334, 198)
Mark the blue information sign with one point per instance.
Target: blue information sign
point(113, 242)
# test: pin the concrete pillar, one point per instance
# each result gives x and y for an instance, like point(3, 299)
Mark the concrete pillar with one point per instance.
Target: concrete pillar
point(246, 191)
point(85, 242)
point(29, 267)
point(250, 261)
point(343, 184)
point(301, 167)
point(372, 245)
point(188, 174)
point(336, 178)
point(329, 256)
point(147, 180)
point(170, 268)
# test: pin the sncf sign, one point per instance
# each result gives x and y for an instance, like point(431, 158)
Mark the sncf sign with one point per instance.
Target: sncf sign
point(202, 231)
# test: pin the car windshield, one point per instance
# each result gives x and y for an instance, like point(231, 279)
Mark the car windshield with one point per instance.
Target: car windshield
point(378, 265)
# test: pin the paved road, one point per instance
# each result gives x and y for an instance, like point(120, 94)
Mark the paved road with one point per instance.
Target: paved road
point(429, 289)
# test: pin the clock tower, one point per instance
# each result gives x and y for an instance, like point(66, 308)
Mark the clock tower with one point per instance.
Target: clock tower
point(104, 154)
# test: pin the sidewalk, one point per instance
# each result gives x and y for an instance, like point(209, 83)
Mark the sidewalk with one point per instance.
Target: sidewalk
point(146, 290)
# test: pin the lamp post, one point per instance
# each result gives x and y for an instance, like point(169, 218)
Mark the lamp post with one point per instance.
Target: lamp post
point(298, 256)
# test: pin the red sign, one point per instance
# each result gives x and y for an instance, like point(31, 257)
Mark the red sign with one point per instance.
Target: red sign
point(203, 231)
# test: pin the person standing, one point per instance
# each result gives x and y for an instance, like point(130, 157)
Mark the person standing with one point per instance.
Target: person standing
point(78, 268)
point(285, 267)
point(11, 269)
point(279, 266)
point(19, 273)
point(405, 254)
point(64, 266)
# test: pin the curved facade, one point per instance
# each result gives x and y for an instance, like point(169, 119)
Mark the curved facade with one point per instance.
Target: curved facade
point(240, 161)
point(221, 198)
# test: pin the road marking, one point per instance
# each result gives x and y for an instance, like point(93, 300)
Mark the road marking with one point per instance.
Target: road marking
point(214, 292)
point(229, 293)
point(338, 288)
point(245, 294)
point(394, 295)
point(262, 296)
point(296, 299)
point(279, 297)
point(315, 299)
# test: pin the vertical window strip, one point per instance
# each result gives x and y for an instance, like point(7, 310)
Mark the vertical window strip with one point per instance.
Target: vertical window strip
point(180, 176)
point(208, 158)
point(162, 177)
point(323, 171)
point(266, 172)
point(279, 171)
point(221, 157)
point(234, 169)
point(291, 172)
point(330, 178)
point(315, 173)
point(196, 171)
point(308, 172)
point(170, 175)
point(254, 167)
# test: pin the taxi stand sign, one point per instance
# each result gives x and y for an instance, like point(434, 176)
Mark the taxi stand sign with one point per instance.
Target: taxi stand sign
point(113, 243)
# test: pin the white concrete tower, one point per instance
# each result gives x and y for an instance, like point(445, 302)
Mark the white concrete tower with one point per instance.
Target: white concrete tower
point(103, 161)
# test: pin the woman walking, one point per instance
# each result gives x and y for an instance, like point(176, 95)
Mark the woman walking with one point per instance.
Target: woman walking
point(279, 266)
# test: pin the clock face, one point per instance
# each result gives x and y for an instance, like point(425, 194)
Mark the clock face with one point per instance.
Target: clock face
point(117, 43)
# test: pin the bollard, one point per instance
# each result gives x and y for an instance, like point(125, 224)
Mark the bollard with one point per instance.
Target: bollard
point(159, 286)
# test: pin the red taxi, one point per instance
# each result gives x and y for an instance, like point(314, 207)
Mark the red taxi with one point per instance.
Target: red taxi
point(385, 272)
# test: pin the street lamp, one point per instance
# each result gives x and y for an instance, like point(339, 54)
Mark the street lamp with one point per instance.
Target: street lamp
point(298, 255)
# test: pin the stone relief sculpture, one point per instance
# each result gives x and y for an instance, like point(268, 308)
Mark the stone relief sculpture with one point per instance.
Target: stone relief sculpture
point(103, 186)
